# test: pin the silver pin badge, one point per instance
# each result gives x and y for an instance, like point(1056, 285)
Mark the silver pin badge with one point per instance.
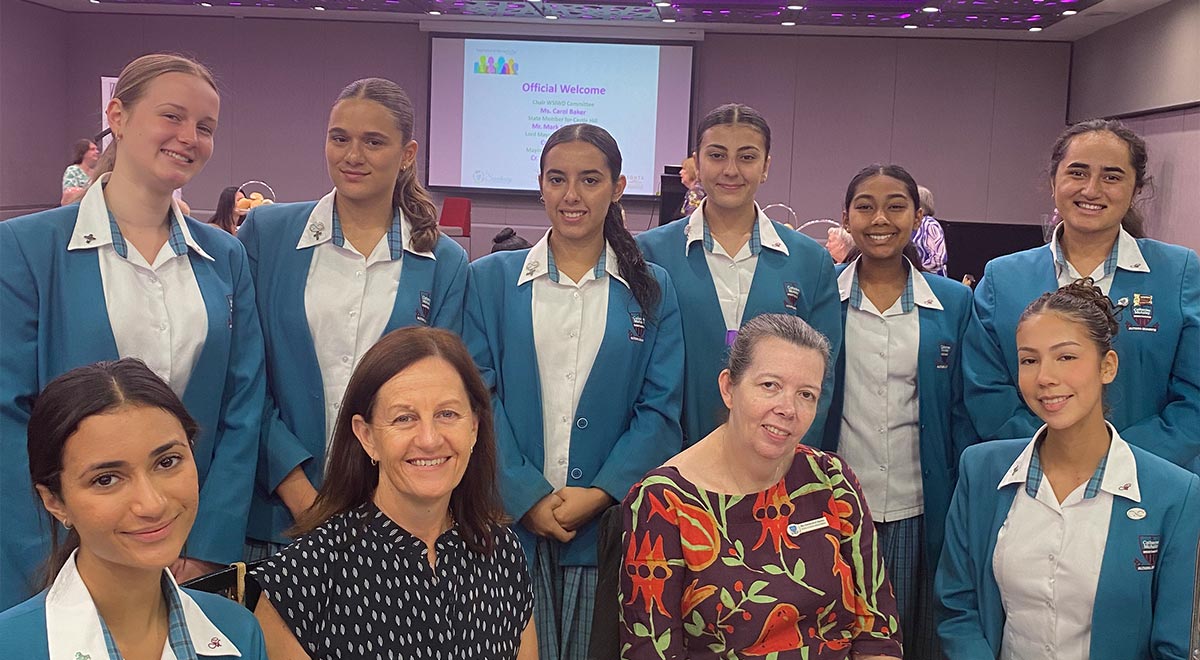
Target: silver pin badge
point(531, 266)
point(317, 228)
point(1122, 302)
point(89, 238)
point(1136, 513)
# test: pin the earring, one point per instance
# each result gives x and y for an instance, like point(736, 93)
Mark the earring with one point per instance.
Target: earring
point(374, 462)
point(67, 524)
point(541, 200)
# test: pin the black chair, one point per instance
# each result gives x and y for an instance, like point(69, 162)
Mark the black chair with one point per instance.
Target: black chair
point(606, 618)
point(232, 583)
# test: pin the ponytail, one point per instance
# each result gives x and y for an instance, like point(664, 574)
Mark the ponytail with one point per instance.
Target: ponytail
point(411, 197)
point(630, 262)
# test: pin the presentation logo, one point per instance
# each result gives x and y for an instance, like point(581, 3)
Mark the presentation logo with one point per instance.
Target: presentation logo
point(496, 66)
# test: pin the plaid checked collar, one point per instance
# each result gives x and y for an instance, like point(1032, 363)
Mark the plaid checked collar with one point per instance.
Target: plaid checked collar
point(762, 233)
point(1125, 255)
point(95, 226)
point(324, 226)
point(177, 631)
point(1116, 474)
point(539, 260)
point(394, 239)
point(916, 291)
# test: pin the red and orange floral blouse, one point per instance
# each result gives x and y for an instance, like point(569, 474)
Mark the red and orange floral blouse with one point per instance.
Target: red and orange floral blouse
point(791, 572)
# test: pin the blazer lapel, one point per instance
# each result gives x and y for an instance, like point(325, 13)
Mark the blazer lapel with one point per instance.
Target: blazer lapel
point(414, 295)
point(766, 289)
point(82, 291)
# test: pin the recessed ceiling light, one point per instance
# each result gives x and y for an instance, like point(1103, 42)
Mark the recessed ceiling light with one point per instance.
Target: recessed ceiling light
point(668, 20)
point(319, 8)
point(551, 17)
point(788, 23)
point(205, 4)
point(534, 2)
point(796, 7)
point(662, 4)
point(1035, 29)
point(1069, 12)
point(95, 2)
point(435, 13)
point(910, 27)
point(930, 10)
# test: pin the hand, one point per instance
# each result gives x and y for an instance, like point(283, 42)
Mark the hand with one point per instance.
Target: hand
point(541, 520)
point(579, 505)
point(297, 492)
point(186, 568)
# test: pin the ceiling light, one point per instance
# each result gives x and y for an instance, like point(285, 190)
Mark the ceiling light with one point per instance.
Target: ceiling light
point(1069, 12)
point(534, 2)
point(551, 17)
point(95, 2)
point(668, 20)
point(788, 23)
point(796, 7)
point(662, 4)
point(435, 13)
point(205, 4)
point(910, 27)
point(1035, 29)
point(930, 10)
point(319, 8)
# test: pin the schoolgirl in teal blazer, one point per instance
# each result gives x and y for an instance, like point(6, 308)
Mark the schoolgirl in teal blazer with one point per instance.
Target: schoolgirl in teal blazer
point(945, 428)
point(55, 319)
point(430, 293)
point(627, 420)
point(1143, 600)
point(800, 283)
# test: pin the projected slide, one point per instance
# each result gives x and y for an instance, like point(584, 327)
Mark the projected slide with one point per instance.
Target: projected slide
point(494, 103)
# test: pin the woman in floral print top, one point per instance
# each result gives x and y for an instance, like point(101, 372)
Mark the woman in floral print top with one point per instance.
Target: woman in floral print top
point(749, 544)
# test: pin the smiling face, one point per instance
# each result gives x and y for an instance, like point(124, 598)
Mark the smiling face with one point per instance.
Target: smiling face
point(1095, 183)
point(1061, 372)
point(129, 488)
point(578, 187)
point(881, 217)
point(732, 162)
point(166, 136)
point(775, 401)
point(422, 432)
point(365, 150)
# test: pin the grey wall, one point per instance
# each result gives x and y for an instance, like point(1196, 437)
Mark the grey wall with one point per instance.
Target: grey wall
point(1173, 139)
point(1148, 62)
point(971, 119)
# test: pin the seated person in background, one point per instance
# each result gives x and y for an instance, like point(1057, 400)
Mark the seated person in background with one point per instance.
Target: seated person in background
point(229, 215)
point(405, 542)
point(929, 238)
point(750, 543)
point(77, 176)
point(1072, 544)
point(110, 453)
point(690, 177)
point(840, 244)
point(508, 239)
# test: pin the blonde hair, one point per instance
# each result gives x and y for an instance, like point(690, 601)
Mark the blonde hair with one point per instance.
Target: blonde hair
point(132, 84)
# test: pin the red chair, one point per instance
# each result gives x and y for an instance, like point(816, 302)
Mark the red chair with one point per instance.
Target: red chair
point(456, 212)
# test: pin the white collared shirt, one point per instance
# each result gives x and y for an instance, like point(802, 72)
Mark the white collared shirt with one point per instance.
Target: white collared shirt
point(1128, 256)
point(881, 429)
point(73, 627)
point(155, 308)
point(733, 275)
point(348, 299)
point(1048, 557)
point(569, 319)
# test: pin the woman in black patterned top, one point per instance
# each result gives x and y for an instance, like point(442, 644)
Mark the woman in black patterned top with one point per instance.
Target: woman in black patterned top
point(405, 553)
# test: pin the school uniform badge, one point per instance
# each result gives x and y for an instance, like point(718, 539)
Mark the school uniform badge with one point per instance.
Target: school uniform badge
point(1149, 551)
point(637, 330)
point(943, 358)
point(425, 302)
point(791, 294)
point(1142, 311)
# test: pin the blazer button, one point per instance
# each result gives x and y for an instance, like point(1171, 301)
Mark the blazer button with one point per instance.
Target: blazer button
point(581, 423)
point(576, 473)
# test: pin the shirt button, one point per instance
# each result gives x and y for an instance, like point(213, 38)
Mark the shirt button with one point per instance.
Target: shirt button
point(882, 391)
point(883, 468)
point(575, 295)
point(345, 359)
point(882, 430)
point(337, 406)
point(732, 266)
point(565, 418)
point(574, 333)
point(570, 375)
point(162, 326)
point(353, 313)
point(358, 273)
point(1052, 557)
point(154, 280)
point(562, 461)
point(882, 354)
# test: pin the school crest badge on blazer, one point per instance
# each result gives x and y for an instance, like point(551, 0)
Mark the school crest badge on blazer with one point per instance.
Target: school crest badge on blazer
point(791, 294)
point(637, 330)
point(1149, 551)
point(1142, 311)
point(423, 305)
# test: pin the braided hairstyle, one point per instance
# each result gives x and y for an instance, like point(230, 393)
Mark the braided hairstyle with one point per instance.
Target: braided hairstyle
point(1084, 303)
point(630, 262)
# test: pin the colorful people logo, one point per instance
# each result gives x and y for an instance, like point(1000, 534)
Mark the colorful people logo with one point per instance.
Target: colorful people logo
point(492, 65)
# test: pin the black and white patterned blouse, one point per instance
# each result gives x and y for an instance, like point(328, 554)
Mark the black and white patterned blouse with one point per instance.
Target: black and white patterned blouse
point(360, 586)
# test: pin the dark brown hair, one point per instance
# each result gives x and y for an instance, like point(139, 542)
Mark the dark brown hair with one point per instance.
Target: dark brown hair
point(735, 113)
point(351, 479)
point(1084, 303)
point(1133, 223)
point(910, 186)
point(132, 84)
point(630, 262)
point(408, 193)
point(79, 149)
point(224, 217)
point(64, 404)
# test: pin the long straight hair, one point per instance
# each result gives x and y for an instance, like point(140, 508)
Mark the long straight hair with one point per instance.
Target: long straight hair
point(351, 479)
point(630, 262)
point(64, 404)
point(408, 193)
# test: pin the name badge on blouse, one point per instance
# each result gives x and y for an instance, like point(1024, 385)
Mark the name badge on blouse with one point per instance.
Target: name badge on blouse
point(796, 529)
